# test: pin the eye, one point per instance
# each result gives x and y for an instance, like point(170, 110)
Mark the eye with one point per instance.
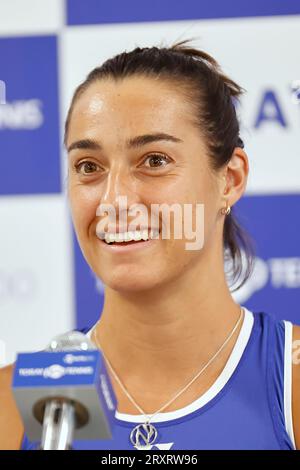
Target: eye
point(156, 160)
point(87, 166)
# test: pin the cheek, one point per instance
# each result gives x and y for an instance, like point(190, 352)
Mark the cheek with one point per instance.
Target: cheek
point(202, 197)
point(83, 211)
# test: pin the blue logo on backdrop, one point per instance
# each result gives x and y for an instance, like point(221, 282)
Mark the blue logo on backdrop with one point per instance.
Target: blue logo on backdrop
point(29, 121)
point(270, 110)
point(275, 284)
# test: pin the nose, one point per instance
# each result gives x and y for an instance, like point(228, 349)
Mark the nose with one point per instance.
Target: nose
point(118, 195)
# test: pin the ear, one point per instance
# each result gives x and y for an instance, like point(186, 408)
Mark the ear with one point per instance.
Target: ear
point(235, 176)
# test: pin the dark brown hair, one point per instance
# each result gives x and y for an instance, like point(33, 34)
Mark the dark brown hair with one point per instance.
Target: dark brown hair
point(212, 96)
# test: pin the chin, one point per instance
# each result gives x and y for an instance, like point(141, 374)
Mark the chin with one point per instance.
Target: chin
point(127, 279)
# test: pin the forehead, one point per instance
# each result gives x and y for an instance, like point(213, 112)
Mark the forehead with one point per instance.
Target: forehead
point(132, 104)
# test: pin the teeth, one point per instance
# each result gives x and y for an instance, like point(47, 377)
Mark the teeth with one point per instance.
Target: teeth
point(109, 237)
point(119, 237)
point(137, 235)
point(145, 235)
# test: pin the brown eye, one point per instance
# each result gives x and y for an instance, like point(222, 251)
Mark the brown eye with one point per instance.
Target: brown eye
point(87, 167)
point(156, 161)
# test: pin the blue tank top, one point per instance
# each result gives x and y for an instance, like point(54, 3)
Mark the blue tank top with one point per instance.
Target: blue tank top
point(247, 407)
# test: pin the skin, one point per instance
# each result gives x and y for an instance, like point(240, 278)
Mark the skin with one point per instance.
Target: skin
point(164, 306)
point(11, 426)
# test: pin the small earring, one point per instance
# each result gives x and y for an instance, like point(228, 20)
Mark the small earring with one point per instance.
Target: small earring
point(226, 210)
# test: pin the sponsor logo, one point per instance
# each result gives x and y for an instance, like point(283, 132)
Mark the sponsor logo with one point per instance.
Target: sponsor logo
point(55, 371)
point(279, 272)
point(21, 115)
point(271, 108)
point(71, 358)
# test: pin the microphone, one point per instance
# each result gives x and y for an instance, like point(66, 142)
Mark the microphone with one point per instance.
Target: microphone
point(64, 393)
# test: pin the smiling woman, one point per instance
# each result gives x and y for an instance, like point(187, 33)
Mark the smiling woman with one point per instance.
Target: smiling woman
point(153, 164)
point(157, 127)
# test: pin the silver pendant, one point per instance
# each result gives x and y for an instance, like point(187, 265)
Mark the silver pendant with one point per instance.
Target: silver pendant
point(143, 436)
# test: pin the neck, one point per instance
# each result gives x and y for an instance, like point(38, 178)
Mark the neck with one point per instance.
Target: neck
point(175, 329)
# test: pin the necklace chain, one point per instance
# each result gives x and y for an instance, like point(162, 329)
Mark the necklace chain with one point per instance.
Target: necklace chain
point(148, 418)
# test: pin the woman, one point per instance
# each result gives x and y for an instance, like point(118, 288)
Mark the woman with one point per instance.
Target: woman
point(191, 369)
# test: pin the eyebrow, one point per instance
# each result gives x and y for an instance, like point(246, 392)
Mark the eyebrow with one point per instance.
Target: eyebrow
point(134, 142)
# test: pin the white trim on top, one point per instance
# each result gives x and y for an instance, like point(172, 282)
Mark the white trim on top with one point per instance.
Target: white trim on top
point(89, 333)
point(215, 388)
point(288, 350)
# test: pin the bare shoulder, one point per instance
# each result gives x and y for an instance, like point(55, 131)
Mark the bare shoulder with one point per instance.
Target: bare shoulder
point(11, 427)
point(296, 384)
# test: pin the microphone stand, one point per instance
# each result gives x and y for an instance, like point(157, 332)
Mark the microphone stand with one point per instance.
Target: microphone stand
point(58, 426)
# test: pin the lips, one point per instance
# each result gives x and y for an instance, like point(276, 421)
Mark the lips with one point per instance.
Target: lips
point(127, 248)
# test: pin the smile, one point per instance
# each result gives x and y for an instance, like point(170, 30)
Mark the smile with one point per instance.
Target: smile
point(128, 240)
point(132, 236)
